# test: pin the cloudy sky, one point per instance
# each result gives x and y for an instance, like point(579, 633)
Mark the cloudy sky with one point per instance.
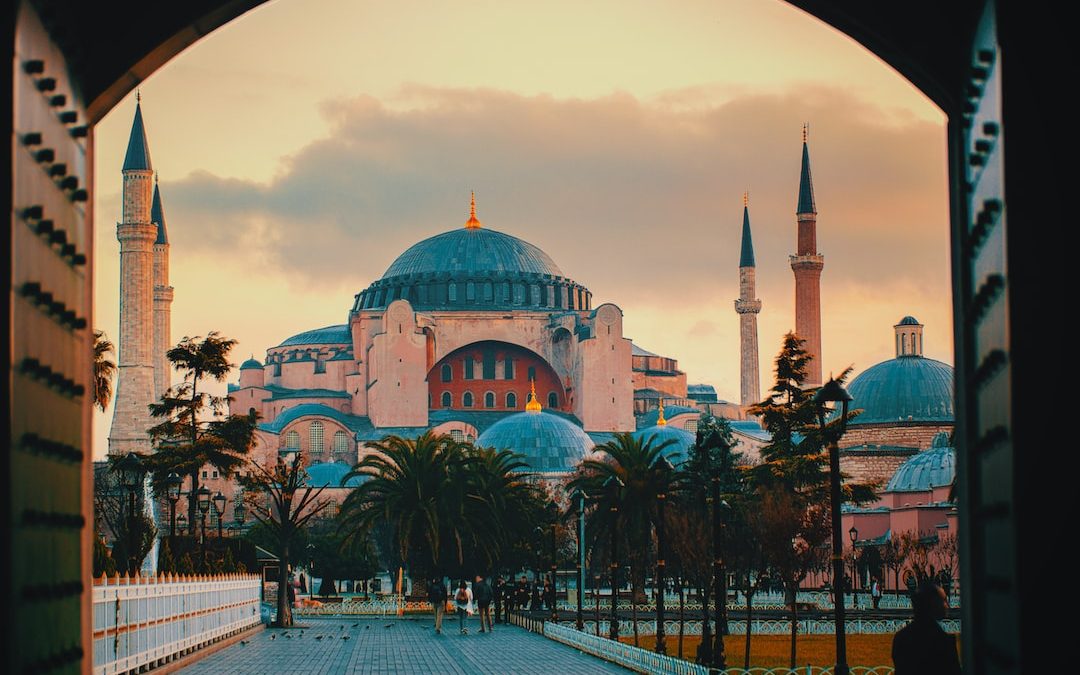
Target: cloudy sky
point(305, 145)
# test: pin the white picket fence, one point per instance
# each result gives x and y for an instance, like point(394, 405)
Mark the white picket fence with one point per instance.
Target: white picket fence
point(143, 622)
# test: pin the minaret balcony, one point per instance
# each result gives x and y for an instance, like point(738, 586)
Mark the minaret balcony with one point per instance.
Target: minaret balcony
point(807, 262)
point(748, 306)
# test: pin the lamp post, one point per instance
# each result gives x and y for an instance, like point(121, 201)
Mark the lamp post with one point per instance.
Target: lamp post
point(553, 515)
point(579, 496)
point(172, 487)
point(219, 509)
point(853, 534)
point(719, 657)
point(833, 392)
point(596, 601)
point(240, 515)
point(613, 484)
point(664, 466)
point(131, 470)
point(202, 496)
point(311, 570)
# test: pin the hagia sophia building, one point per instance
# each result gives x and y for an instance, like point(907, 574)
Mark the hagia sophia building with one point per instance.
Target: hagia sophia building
point(480, 334)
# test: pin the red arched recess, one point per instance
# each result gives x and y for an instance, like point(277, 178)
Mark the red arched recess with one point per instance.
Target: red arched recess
point(489, 376)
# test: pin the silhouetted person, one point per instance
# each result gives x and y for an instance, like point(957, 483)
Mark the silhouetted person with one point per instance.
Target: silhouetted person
point(437, 598)
point(497, 592)
point(537, 600)
point(482, 595)
point(922, 647)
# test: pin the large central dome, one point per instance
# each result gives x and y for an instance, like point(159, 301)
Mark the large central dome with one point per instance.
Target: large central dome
point(474, 268)
point(474, 250)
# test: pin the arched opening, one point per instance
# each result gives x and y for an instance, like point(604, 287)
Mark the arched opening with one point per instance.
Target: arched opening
point(501, 367)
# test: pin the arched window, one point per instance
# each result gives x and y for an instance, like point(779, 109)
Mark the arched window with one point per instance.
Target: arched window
point(489, 399)
point(341, 445)
point(452, 292)
point(508, 368)
point(553, 400)
point(447, 373)
point(532, 373)
point(292, 440)
point(447, 399)
point(903, 344)
point(466, 399)
point(315, 436)
point(511, 400)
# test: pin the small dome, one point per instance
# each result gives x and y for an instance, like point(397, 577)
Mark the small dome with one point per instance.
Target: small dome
point(676, 453)
point(548, 443)
point(329, 474)
point(905, 389)
point(330, 335)
point(251, 364)
point(929, 469)
point(909, 321)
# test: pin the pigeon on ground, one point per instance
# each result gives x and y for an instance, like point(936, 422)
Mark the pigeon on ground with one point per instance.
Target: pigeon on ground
point(367, 627)
point(356, 624)
point(344, 637)
point(243, 642)
point(273, 637)
point(389, 625)
point(342, 626)
point(318, 637)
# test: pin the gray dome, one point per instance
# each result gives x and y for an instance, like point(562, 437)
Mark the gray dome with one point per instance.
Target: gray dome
point(929, 469)
point(548, 443)
point(676, 453)
point(251, 364)
point(471, 251)
point(906, 389)
point(474, 268)
point(909, 321)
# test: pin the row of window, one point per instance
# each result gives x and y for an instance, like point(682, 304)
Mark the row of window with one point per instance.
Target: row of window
point(546, 295)
point(467, 400)
point(468, 369)
point(342, 443)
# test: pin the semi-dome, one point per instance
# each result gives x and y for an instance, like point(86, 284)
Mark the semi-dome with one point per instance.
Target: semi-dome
point(904, 389)
point(548, 443)
point(329, 335)
point(927, 470)
point(681, 441)
point(474, 267)
point(330, 475)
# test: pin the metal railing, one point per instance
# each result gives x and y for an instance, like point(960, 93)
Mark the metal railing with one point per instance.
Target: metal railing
point(142, 622)
point(765, 626)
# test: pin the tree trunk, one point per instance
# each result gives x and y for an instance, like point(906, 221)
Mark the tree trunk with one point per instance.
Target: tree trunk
point(794, 621)
point(705, 648)
point(749, 619)
point(284, 609)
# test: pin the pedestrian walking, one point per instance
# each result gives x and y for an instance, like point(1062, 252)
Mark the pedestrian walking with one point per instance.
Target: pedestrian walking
point(875, 592)
point(537, 598)
point(497, 590)
point(482, 595)
point(922, 647)
point(463, 601)
point(521, 594)
point(549, 594)
point(437, 598)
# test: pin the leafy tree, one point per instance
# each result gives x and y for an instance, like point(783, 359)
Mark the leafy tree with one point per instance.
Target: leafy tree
point(280, 498)
point(195, 430)
point(138, 531)
point(104, 370)
point(166, 562)
point(186, 566)
point(793, 479)
point(103, 562)
point(337, 556)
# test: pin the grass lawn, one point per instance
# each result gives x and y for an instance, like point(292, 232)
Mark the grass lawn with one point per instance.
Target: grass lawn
point(774, 650)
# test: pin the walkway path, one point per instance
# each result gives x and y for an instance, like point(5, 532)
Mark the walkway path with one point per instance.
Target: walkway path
point(390, 646)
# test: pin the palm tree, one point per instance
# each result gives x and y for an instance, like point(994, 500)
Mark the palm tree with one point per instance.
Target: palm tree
point(634, 462)
point(502, 505)
point(414, 486)
point(104, 370)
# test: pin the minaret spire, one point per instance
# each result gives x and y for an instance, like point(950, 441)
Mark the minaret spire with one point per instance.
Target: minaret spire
point(660, 421)
point(473, 223)
point(807, 264)
point(748, 307)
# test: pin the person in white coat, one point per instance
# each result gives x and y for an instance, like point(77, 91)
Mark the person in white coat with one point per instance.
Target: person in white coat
point(463, 601)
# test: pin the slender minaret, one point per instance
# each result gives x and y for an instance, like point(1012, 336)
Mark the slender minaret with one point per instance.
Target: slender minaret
point(807, 264)
point(163, 297)
point(137, 234)
point(748, 307)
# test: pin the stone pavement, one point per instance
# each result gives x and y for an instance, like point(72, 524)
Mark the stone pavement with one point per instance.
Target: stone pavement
point(410, 646)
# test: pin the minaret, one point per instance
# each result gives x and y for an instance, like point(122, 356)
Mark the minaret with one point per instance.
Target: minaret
point(137, 234)
point(163, 297)
point(807, 264)
point(748, 307)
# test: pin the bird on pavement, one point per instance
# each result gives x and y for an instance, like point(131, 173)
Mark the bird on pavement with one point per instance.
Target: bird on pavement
point(344, 637)
point(318, 637)
point(243, 642)
point(273, 637)
point(356, 624)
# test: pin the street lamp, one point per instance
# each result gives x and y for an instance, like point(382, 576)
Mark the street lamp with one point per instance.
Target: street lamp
point(219, 510)
point(131, 471)
point(719, 656)
point(240, 515)
point(202, 498)
point(834, 392)
point(553, 516)
point(172, 488)
point(579, 496)
point(853, 534)
point(612, 484)
point(663, 466)
point(311, 570)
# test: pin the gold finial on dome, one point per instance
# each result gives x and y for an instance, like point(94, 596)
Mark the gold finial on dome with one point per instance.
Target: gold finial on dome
point(805, 131)
point(473, 223)
point(660, 421)
point(746, 198)
point(532, 405)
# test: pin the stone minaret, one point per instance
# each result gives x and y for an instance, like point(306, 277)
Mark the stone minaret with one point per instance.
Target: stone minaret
point(163, 297)
point(137, 234)
point(748, 307)
point(807, 264)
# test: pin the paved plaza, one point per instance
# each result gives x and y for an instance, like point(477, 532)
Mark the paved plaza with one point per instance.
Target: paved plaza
point(378, 646)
